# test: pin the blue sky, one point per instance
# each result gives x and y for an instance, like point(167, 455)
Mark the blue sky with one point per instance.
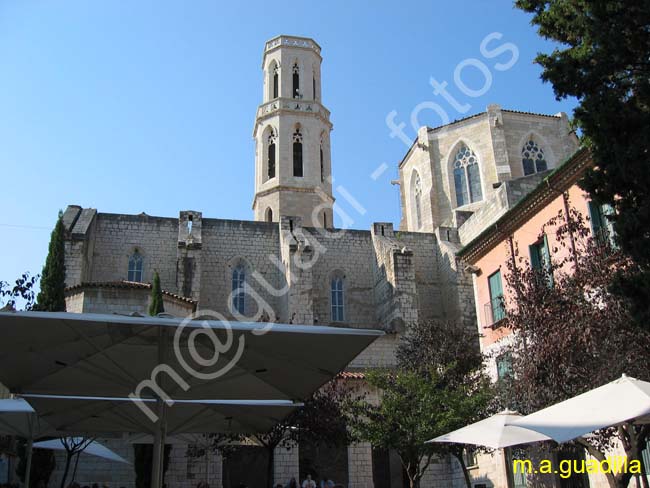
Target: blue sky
point(149, 106)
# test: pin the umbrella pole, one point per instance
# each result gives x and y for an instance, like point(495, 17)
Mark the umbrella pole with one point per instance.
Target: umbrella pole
point(28, 468)
point(157, 468)
point(159, 448)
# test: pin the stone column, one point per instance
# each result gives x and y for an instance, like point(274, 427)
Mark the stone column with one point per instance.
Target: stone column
point(286, 465)
point(360, 465)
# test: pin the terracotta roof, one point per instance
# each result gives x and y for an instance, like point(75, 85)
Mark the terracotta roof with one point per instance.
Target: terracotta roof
point(130, 285)
point(351, 375)
point(559, 180)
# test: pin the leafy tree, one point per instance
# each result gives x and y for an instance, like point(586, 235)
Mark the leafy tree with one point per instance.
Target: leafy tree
point(575, 335)
point(51, 298)
point(22, 289)
point(603, 61)
point(438, 387)
point(156, 306)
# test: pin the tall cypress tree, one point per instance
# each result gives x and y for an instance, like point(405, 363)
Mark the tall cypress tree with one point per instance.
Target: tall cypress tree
point(51, 298)
point(156, 306)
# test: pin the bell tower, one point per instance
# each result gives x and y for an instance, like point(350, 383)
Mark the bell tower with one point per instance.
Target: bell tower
point(292, 136)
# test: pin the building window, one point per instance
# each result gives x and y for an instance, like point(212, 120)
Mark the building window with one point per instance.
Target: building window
point(496, 306)
point(417, 200)
point(324, 219)
point(337, 300)
point(297, 153)
point(540, 260)
point(296, 81)
point(135, 267)
point(532, 158)
point(276, 82)
point(601, 225)
point(313, 85)
point(239, 290)
point(467, 178)
point(269, 215)
point(504, 366)
point(271, 155)
point(322, 163)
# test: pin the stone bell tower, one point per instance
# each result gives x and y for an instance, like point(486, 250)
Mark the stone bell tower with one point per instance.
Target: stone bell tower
point(292, 144)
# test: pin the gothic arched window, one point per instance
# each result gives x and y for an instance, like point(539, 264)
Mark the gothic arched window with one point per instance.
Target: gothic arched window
point(276, 83)
point(296, 81)
point(417, 200)
point(271, 155)
point(337, 299)
point(239, 289)
point(467, 178)
point(297, 153)
point(136, 262)
point(313, 84)
point(532, 158)
point(322, 163)
point(269, 215)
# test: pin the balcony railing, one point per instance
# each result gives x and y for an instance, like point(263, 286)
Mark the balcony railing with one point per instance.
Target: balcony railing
point(494, 311)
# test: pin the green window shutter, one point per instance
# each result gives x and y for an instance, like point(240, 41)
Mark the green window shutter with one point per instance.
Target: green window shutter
point(535, 258)
point(596, 217)
point(546, 254)
point(496, 296)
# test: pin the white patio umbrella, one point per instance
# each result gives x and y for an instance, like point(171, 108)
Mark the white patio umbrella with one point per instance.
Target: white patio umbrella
point(493, 432)
point(111, 355)
point(622, 400)
point(17, 417)
point(106, 415)
point(93, 448)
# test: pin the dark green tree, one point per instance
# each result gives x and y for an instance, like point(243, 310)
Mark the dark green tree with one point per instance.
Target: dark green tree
point(51, 298)
point(603, 61)
point(156, 306)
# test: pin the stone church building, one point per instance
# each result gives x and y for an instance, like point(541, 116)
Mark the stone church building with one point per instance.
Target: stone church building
point(289, 264)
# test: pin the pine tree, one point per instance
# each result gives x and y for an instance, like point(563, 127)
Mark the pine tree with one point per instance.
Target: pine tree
point(51, 298)
point(156, 305)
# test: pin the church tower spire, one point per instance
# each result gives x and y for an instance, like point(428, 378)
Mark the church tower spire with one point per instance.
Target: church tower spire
point(292, 144)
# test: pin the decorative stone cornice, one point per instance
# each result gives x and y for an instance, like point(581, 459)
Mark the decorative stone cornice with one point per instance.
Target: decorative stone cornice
point(292, 106)
point(295, 189)
point(291, 41)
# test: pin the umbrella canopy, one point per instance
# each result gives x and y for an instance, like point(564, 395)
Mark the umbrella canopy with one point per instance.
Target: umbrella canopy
point(98, 415)
point(493, 432)
point(94, 448)
point(56, 353)
point(17, 417)
point(622, 400)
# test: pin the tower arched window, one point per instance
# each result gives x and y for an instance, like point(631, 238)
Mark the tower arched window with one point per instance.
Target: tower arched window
point(337, 299)
point(297, 154)
point(417, 200)
point(313, 85)
point(322, 163)
point(532, 158)
point(270, 156)
point(269, 215)
point(467, 178)
point(136, 264)
point(239, 289)
point(296, 81)
point(276, 81)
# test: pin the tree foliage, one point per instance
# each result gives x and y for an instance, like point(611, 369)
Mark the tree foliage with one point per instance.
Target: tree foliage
point(156, 305)
point(437, 387)
point(51, 298)
point(22, 290)
point(575, 335)
point(603, 61)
